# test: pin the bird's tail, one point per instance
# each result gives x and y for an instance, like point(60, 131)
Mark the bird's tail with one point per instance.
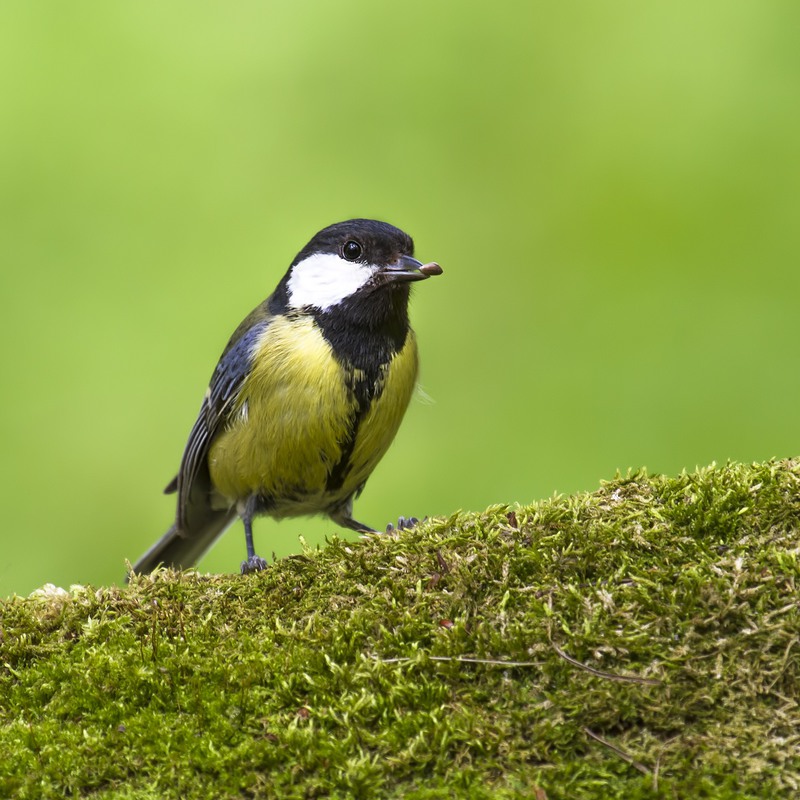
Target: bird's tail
point(181, 549)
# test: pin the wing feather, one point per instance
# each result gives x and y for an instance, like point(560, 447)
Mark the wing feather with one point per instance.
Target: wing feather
point(220, 397)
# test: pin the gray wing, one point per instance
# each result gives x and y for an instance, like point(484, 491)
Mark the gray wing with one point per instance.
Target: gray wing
point(197, 523)
point(193, 482)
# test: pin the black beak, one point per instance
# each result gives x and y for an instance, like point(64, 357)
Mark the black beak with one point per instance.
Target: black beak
point(407, 268)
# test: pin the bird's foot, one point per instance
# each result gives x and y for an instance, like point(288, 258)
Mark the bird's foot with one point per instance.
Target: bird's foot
point(403, 524)
point(253, 564)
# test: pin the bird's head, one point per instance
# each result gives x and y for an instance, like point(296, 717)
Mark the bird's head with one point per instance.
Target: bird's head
point(353, 262)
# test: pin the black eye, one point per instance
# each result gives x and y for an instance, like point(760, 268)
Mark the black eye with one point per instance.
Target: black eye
point(351, 250)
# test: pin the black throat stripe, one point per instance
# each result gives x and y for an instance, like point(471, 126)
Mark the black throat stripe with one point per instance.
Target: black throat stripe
point(365, 336)
point(364, 342)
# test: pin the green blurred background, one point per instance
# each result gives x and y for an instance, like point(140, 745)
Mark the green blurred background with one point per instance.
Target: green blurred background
point(613, 190)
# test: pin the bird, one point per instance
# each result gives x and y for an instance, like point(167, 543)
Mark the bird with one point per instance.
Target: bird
point(306, 397)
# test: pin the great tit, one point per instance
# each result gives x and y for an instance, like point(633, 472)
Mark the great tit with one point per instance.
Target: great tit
point(307, 395)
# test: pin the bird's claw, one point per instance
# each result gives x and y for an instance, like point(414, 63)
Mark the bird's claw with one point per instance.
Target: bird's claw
point(253, 564)
point(403, 524)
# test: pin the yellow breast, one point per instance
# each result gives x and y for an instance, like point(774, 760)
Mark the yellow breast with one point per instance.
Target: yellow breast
point(295, 413)
point(380, 424)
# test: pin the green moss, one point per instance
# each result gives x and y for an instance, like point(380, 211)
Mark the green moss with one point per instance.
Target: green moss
point(654, 625)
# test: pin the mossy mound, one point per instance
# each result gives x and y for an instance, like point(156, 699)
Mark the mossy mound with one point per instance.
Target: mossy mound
point(641, 641)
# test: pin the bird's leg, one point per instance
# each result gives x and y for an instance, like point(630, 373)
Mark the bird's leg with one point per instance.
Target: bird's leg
point(254, 563)
point(353, 525)
point(343, 515)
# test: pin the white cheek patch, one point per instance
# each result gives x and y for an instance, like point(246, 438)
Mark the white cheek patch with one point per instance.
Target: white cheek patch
point(325, 279)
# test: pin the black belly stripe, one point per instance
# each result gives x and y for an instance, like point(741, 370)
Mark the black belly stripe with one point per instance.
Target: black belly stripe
point(338, 475)
point(364, 335)
point(365, 392)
